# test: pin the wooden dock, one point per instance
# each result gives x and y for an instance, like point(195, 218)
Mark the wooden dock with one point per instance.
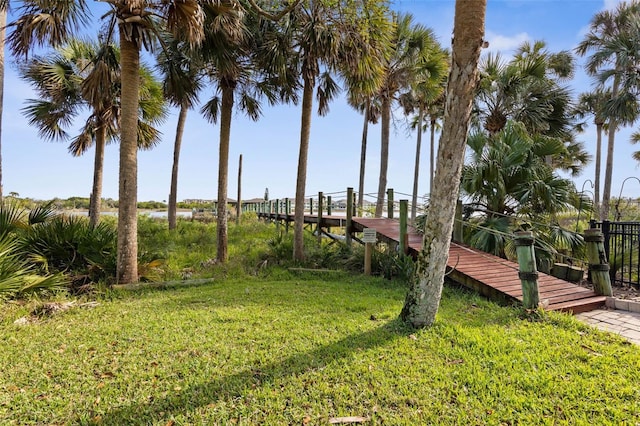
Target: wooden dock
point(485, 273)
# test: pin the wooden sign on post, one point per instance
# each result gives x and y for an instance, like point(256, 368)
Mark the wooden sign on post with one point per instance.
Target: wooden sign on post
point(369, 237)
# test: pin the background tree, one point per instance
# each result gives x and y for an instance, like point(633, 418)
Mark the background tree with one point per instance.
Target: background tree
point(426, 92)
point(592, 103)
point(424, 294)
point(411, 48)
point(235, 63)
point(38, 24)
point(370, 110)
point(324, 38)
point(83, 75)
point(614, 45)
point(182, 81)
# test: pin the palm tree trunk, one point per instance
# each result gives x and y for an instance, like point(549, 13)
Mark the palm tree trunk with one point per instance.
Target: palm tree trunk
point(432, 154)
point(363, 157)
point(608, 171)
point(384, 153)
point(223, 171)
point(423, 297)
point(127, 268)
point(416, 169)
point(173, 193)
point(3, 32)
point(596, 184)
point(98, 170)
point(239, 202)
point(301, 179)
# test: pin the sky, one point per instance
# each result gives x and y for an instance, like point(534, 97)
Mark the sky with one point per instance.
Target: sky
point(43, 170)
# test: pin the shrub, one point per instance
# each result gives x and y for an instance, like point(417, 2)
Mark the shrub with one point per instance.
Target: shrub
point(70, 245)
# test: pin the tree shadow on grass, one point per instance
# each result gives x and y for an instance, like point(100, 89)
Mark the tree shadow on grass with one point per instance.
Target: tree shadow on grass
point(233, 386)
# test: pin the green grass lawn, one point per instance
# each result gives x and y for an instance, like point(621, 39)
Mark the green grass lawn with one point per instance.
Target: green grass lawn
point(302, 349)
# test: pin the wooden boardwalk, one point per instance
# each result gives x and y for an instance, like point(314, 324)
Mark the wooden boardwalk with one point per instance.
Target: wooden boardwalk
point(489, 275)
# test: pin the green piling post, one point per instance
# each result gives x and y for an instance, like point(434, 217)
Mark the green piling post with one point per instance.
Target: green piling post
point(527, 269)
point(347, 230)
point(598, 264)
point(404, 216)
point(390, 203)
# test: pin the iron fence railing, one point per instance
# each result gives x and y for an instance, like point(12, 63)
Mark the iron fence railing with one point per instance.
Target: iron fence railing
point(622, 244)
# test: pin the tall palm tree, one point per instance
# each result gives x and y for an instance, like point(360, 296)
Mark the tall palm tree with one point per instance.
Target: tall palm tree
point(435, 113)
point(83, 75)
point(182, 81)
point(613, 42)
point(593, 103)
point(4, 5)
point(137, 24)
point(412, 46)
point(329, 37)
point(423, 297)
point(226, 55)
point(424, 93)
point(370, 115)
point(37, 24)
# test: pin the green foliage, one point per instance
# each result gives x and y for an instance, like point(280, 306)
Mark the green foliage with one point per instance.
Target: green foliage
point(151, 205)
point(70, 245)
point(18, 276)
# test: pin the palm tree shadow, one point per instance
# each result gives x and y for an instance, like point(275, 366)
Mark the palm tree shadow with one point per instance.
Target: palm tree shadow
point(233, 386)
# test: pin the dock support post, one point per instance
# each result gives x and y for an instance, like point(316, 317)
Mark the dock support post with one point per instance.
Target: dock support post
point(310, 206)
point(457, 224)
point(527, 266)
point(347, 230)
point(287, 212)
point(319, 228)
point(404, 212)
point(390, 203)
point(598, 264)
point(368, 248)
point(328, 205)
point(277, 207)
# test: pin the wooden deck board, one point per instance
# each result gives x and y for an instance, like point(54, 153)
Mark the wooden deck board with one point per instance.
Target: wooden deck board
point(490, 275)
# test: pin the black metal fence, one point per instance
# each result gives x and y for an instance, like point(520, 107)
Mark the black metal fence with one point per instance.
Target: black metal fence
point(622, 243)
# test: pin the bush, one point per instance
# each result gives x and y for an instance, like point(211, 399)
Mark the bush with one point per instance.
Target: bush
point(70, 245)
point(17, 276)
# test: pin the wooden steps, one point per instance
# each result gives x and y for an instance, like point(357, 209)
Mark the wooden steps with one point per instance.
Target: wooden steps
point(493, 276)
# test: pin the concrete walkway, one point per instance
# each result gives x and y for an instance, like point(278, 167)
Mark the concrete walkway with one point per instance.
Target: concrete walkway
point(624, 323)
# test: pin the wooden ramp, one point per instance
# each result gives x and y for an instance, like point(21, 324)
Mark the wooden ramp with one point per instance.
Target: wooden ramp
point(490, 275)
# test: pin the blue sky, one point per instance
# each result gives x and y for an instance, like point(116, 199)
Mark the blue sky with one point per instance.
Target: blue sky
point(43, 170)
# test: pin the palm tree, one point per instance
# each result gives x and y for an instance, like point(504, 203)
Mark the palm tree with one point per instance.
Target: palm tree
point(412, 47)
point(526, 89)
point(508, 176)
point(237, 62)
point(226, 54)
point(423, 297)
point(38, 24)
point(333, 38)
point(435, 113)
point(137, 22)
point(370, 114)
point(182, 83)
point(613, 41)
point(83, 75)
point(425, 92)
point(593, 103)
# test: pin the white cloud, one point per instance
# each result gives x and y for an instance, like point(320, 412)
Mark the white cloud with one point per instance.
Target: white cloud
point(498, 42)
